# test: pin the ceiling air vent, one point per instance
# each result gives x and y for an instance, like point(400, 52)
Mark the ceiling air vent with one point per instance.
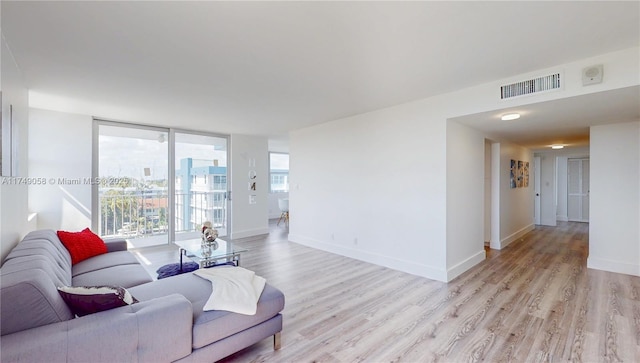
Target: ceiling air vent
point(530, 86)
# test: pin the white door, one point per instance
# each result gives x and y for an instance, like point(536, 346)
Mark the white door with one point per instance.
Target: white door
point(536, 187)
point(578, 190)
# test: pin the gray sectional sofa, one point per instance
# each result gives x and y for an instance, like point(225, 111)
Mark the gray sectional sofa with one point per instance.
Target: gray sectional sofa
point(167, 324)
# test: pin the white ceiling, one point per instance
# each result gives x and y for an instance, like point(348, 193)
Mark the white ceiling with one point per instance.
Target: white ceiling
point(267, 68)
point(561, 122)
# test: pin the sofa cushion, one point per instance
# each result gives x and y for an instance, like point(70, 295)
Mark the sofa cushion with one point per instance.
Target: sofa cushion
point(82, 245)
point(121, 275)
point(211, 326)
point(40, 262)
point(42, 250)
point(29, 299)
point(104, 261)
point(50, 236)
point(85, 300)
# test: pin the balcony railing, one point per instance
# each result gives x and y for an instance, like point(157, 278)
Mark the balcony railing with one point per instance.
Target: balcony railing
point(143, 213)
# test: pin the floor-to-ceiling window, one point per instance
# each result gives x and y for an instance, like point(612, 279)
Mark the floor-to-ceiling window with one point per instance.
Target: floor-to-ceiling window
point(138, 196)
point(132, 183)
point(200, 183)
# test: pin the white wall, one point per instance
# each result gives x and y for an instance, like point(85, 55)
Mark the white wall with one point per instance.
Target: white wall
point(516, 204)
point(465, 182)
point(60, 147)
point(14, 213)
point(372, 187)
point(249, 153)
point(391, 178)
point(614, 232)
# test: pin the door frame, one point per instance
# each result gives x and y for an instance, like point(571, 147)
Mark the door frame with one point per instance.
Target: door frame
point(536, 189)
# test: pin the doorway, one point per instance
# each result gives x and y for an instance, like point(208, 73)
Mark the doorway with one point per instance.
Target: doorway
point(578, 190)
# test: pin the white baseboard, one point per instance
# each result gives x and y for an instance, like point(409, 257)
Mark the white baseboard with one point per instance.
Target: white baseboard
point(410, 267)
point(613, 266)
point(249, 233)
point(465, 265)
point(506, 241)
point(562, 218)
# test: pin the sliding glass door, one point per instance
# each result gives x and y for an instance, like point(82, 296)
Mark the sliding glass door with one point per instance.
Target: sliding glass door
point(200, 184)
point(139, 197)
point(132, 183)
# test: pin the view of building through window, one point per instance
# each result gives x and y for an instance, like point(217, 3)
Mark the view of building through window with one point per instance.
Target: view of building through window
point(279, 172)
point(200, 184)
point(134, 191)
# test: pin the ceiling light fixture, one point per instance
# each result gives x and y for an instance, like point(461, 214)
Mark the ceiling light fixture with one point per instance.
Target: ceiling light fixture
point(510, 116)
point(556, 147)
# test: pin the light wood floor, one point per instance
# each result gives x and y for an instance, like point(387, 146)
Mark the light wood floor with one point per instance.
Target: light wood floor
point(533, 301)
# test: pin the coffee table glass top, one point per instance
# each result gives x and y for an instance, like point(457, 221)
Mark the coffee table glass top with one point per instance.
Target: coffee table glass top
point(219, 250)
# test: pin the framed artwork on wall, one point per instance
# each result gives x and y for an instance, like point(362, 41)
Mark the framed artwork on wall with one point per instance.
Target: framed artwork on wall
point(512, 174)
point(520, 173)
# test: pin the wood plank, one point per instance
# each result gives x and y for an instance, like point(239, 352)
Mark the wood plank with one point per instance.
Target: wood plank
point(532, 301)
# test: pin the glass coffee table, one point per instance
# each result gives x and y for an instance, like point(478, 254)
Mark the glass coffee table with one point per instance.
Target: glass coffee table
point(220, 252)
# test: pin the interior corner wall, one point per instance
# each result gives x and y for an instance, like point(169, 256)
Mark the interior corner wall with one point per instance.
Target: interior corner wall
point(465, 182)
point(614, 232)
point(249, 208)
point(487, 191)
point(496, 192)
point(373, 187)
point(60, 148)
point(516, 204)
point(14, 212)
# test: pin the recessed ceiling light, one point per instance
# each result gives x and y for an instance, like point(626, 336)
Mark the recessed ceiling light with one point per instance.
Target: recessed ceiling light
point(510, 116)
point(557, 147)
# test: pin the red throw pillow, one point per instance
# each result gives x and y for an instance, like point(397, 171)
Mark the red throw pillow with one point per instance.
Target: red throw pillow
point(82, 245)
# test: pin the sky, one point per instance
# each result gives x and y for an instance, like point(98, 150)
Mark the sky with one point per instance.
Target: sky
point(123, 156)
point(127, 157)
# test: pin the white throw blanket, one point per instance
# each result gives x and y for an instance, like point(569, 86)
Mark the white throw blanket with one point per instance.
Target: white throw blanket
point(235, 289)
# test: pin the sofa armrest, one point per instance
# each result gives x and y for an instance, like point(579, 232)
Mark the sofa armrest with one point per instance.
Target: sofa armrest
point(157, 330)
point(115, 244)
